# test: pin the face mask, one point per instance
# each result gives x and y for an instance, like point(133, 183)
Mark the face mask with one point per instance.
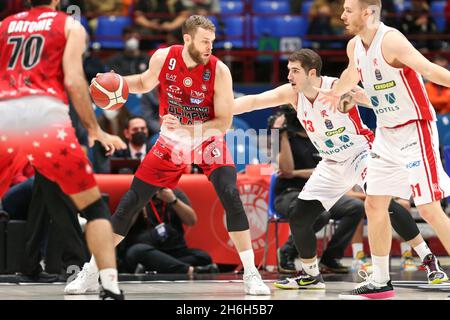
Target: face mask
point(110, 114)
point(138, 138)
point(132, 44)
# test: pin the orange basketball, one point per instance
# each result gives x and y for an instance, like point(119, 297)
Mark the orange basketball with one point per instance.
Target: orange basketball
point(109, 91)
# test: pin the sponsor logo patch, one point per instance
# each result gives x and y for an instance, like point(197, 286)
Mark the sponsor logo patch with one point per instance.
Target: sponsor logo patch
point(337, 131)
point(384, 86)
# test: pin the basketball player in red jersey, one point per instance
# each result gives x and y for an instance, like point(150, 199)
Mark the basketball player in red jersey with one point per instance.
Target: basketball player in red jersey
point(41, 56)
point(196, 102)
point(405, 157)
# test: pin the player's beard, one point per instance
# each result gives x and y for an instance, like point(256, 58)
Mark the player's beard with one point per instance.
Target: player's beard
point(196, 55)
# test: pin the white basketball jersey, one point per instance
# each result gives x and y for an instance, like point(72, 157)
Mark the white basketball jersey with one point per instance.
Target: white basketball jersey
point(397, 94)
point(337, 136)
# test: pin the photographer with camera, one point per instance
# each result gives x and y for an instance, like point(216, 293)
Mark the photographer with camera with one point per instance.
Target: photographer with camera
point(297, 159)
point(156, 240)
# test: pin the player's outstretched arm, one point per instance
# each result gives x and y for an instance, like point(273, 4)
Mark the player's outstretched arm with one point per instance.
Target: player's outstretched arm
point(272, 98)
point(397, 49)
point(347, 81)
point(77, 87)
point(148, 80)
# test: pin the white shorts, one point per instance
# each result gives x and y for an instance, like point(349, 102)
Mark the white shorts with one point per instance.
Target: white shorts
point(331, 180)
point(32, 113)
point(405, 161)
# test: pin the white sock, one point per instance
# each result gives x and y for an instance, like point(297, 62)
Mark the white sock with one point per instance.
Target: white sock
point(93, 264)
point(109, 280)
point(248, 260)
point(357, 247)
point(311, 268)
point(404, 246)
point(380, 267)
point(422, 250)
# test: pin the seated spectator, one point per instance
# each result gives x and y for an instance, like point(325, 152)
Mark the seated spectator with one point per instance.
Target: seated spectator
point(320, 23)
point(95, 8)
point(160, 18)
point(202, 7)
point(136, 135)
point(156, 240)
point(439, 95)
point(418, 21)
point(131, 60)
point(336, 22)
point(113, 122)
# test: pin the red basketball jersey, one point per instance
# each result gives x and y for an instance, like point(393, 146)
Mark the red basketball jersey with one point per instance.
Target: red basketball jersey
point(187, 93)
point(32, 46)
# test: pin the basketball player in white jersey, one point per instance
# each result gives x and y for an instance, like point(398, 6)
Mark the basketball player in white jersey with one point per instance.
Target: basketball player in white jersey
point(343, 142)
point(405, 160)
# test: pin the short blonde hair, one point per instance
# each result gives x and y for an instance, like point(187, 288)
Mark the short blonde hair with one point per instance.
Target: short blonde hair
point(194, 22)
point(367, 3)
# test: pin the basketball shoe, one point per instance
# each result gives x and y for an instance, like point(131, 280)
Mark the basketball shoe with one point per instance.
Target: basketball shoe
point(254, 285)
point(369, 289)
point(302, 281)
point(85, 282)
point(435, 273)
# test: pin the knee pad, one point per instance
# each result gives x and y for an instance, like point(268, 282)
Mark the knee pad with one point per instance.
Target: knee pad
point(224, 181)
point(305, 212)
point(301, 220)
point(96, 210)
point(131, 203)
point(122, 219)
point(402, 221)
point(235, 213)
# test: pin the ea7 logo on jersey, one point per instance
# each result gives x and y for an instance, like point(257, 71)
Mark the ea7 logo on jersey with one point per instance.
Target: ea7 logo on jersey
point(197, 97)
point(171, 77)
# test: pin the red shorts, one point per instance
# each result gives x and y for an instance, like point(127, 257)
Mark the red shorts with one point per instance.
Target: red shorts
point(54, 152)
point(164, 164)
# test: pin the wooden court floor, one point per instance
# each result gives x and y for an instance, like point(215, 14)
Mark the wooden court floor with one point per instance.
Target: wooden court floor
point(228, 286)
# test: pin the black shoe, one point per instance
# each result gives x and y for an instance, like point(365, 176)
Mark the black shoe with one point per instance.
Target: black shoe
point(210, 268)
point(332, 266)
point(367, 290)
point(302, 281)
point(41, 277)
point(108, 295)
point(285, 263)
